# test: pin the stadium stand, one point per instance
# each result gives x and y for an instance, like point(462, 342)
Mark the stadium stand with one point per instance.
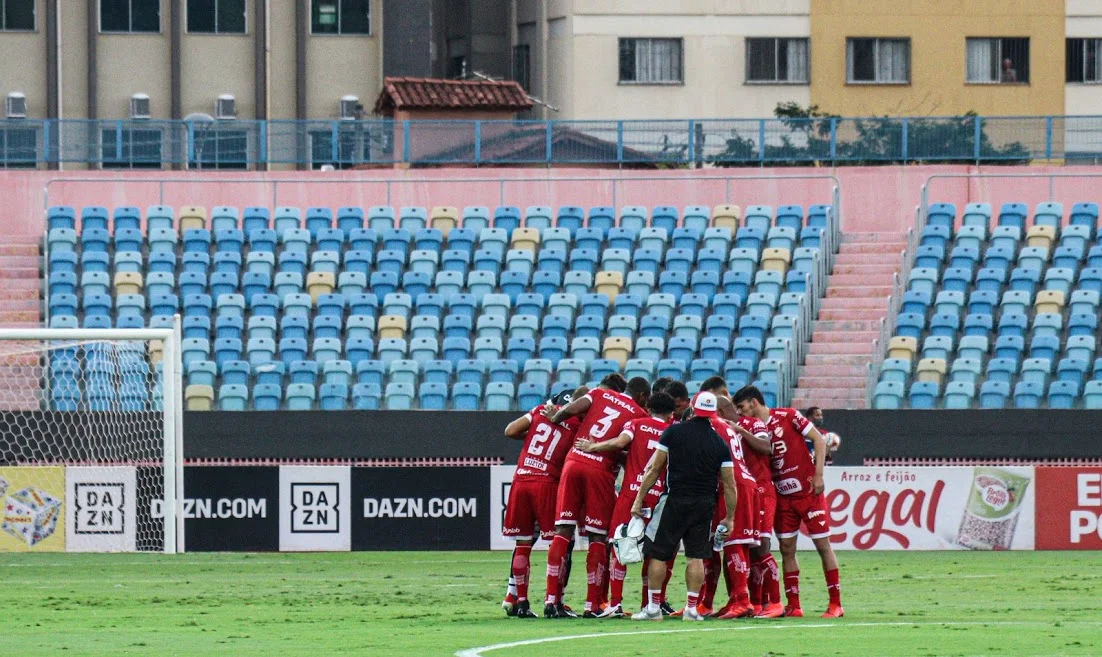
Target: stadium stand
point(999, 312)
point(445, 308)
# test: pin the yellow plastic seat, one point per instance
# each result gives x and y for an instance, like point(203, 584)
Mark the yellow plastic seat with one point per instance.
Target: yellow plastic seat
point(192, 217)
point(618, 349)
point(392, 326)
point(319, 283)
point(930, 370)
point(1049, 301)
point(1042, 236)
point(726, 216)
point(902, 347)
point(609, 283)
point(526, 238)
point(443, 218)
point(199, 398)
point(128, 282)
point(776, 260)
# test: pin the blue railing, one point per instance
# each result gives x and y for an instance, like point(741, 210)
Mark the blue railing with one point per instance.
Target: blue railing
point(696, 142)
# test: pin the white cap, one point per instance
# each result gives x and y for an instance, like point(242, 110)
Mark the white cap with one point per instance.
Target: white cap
point(704, 405)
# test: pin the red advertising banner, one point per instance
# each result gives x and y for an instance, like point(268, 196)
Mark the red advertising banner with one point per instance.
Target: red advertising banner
point(1069, 508)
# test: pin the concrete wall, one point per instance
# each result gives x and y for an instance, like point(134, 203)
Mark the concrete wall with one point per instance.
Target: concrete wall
point(1084, 20)
point(937, 30)
point(873, 198)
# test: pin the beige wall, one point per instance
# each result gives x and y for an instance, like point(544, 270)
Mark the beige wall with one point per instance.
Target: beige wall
point(74, 62)
point(213, 65)
point(281, 61)
point(23, 64)
point(1084, 20)
point(134, 63)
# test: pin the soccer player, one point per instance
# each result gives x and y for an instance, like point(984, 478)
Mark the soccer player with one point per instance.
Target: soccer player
point(534, 487)
point(640, 438)
point(799, 483)
point(815, 414)
point(680, 394)
point(587, 488)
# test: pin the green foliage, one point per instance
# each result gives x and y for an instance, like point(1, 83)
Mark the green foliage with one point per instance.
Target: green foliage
point(807, 136)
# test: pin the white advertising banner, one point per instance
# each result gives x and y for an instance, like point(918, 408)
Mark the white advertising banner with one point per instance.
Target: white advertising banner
point(315, 505)
point(501, 477)
point(929, 508)
point(101, 515)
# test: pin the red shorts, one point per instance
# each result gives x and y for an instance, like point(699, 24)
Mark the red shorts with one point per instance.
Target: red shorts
point(807, 509)
point(531, 503)
point(586, 497)
point(767, 509)
point(622, 512)
point(745, 531)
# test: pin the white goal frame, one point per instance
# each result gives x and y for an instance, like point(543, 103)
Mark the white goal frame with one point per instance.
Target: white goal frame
point(173, 408)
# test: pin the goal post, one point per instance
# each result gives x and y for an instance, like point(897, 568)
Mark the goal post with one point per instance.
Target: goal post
point(91, 440)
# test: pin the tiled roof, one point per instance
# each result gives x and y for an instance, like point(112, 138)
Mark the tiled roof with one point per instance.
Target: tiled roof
point(427, 93)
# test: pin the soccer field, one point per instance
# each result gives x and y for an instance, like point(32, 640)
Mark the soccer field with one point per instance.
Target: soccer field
point(420, 603)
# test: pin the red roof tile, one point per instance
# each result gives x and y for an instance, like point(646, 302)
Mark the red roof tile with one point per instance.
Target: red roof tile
point(427, 93)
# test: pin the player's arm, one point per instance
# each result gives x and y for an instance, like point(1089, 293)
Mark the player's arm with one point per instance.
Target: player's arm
point(575, 408)
point(655, 467)
point(820, 456)
point(759, 444)
point(730, 493)
point(518, 428)
point(615, 445)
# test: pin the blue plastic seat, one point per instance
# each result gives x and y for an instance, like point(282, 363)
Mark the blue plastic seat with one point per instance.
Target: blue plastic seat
point(887, 395)
point(924, 394)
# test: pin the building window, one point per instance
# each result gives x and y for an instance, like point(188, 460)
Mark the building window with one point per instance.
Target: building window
point(220, 148)
point(130, 15)
point(998, 60)
point(18, 148)
point(131, 148)
point(341, 17)
point(1084, 60)
point(782, 61)
point(522, 65)
point(878, 61)
point(355, 145)
point(216, 16)
point(17, 15)
point(457, 68)
point(650, 61)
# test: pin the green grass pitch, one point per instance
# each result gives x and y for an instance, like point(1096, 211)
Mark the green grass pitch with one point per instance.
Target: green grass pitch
point(421, 603)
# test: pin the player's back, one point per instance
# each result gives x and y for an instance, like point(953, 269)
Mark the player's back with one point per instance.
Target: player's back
point(757, 462)
point(733, 440)
point(792, 466)
point(608, 412)
point(545, 447)
point(645, 434)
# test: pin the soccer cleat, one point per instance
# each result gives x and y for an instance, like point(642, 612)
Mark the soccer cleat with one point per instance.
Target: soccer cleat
point(691, 615)
point(590, 614)
point(644, 615)
point(737, 611)
point(612, 611)
point(706, 612)
point(667, 609)
point(757, 610)
point(793, 612)
point(773, 610)
point(551, 610)
point(565, 611)
point(834, 611)
point(509, 604)
point(524, 611)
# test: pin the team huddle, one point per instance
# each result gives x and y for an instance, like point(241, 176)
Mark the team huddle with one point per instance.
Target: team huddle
point(767, 482)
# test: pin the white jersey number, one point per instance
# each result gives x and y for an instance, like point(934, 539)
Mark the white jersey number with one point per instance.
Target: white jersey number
point(601, 427)
point(543, 433)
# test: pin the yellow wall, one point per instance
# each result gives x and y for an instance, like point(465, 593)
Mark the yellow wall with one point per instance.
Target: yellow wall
point(937, 29)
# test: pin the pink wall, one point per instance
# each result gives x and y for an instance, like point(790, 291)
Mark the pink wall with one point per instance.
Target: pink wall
point(873, 198)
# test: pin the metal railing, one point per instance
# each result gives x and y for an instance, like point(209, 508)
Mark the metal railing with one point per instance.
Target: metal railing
point(244, 144)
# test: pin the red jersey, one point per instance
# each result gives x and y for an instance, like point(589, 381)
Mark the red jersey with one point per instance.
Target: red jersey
point(545, 447)
point(793, 469)
point(756, 461)
point(644, 435)
point(734, 443)
point(605, 420)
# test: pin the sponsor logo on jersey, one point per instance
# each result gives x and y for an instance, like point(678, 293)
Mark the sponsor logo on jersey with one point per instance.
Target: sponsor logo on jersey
point(788, 486)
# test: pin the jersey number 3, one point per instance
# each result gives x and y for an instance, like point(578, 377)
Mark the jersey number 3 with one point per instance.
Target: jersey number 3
point(601, 427)
point(543, 433)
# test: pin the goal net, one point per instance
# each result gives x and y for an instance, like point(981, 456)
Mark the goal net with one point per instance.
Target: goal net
point(90, 440)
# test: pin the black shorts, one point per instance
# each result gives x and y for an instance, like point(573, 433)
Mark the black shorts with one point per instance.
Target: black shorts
point(676, 520)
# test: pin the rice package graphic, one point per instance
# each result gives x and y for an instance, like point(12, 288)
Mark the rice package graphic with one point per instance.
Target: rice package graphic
point(31, 515)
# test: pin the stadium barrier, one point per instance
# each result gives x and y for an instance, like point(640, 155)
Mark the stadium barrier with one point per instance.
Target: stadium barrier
point(296, 508)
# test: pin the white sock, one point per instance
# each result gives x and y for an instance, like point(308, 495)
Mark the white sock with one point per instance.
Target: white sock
point(654, 596)
point(512, 590)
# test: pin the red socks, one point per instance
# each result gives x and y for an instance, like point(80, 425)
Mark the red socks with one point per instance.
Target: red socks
point(738, 570)
point(755, 581)
point(712, 568)
point(521, 565)
point(596, 563)
point(556, 567)
point(617, 573)
point(771, 580)
point(834, 589)
point(792, 588)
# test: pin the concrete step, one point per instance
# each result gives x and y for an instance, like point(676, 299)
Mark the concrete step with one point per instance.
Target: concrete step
point(864, 347)
point(20, 249)
point(26, 293)
point(840, 382)
point(837, 359)
point(869, 258)
point(843, 394)
point(863, 337)
point(841, 313)
point(850, 303)
point(19, 304)
point(873, 237)
point(858, 292)
point(846, 371)
point(20, 317)
point(860, 280)
point(865, 270)
point(852, 325)
point(873, 248)
point(19, 261)
point(20, 283)
point(21, 272)
point(828, 405)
